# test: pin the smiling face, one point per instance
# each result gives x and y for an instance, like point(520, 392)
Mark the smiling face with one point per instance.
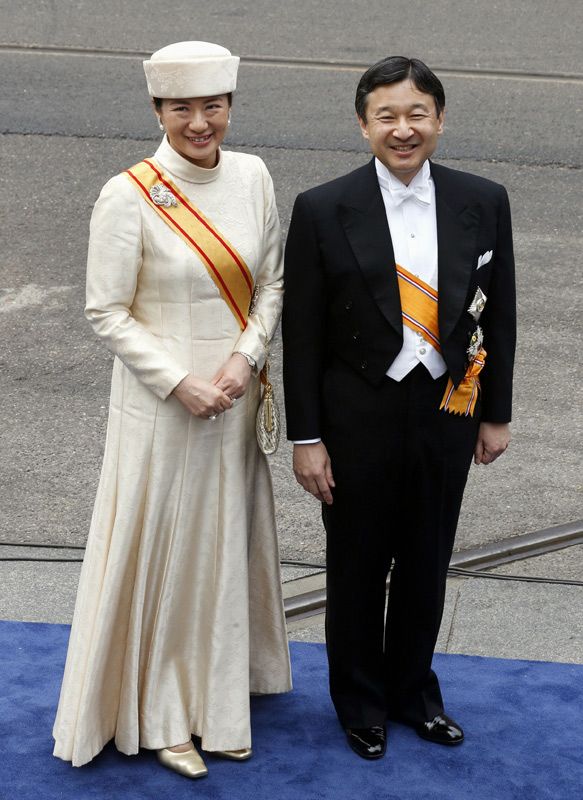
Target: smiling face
point(196, 126)
point(402, 126)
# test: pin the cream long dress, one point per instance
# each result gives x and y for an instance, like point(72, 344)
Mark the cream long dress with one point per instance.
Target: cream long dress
point(179, 612)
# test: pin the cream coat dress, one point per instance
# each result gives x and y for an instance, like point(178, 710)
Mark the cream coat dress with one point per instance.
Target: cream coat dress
point(179, 612)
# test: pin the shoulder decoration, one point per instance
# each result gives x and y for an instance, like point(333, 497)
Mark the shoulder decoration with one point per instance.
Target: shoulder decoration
point(223, 263)
point(419, 312)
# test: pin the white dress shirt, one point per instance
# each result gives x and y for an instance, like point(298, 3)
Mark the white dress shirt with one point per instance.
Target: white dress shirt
point(412, 222)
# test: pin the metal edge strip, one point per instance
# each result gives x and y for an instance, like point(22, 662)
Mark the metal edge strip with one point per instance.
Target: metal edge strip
point(486, 556)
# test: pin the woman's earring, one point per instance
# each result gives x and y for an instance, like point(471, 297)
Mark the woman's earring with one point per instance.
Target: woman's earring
point(229, 120)
point(161, 125)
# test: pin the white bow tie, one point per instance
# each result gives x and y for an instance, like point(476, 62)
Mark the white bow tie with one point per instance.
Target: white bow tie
point(421, 193)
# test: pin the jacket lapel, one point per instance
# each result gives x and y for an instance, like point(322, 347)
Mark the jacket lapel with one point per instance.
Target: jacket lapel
point(364, 220)
point(457, 230)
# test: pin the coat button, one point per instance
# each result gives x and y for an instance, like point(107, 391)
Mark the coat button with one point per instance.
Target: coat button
point(348, 305)
point(364, 365)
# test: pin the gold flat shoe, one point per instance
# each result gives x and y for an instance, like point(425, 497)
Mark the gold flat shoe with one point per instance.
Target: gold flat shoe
point(235, 755)
point(189, 763)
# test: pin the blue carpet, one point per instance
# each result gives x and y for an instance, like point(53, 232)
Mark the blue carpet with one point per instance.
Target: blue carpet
point(523, 722)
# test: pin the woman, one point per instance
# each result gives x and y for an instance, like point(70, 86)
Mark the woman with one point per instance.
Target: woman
point(179, 613)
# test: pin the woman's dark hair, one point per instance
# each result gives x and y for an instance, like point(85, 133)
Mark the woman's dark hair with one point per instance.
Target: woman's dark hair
point(158, 101)
point(395, 69)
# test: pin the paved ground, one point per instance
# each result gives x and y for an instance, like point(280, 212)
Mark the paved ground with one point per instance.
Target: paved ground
point(509, 619)
point(506, 619)
point(514, 86)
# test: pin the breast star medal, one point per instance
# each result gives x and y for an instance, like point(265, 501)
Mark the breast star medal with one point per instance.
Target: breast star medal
point(476, 342)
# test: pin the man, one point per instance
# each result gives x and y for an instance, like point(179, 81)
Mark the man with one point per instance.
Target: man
point(399, 335)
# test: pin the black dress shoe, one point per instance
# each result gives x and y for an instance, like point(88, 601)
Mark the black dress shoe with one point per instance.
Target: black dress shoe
point(441, 730)
point(368, 742)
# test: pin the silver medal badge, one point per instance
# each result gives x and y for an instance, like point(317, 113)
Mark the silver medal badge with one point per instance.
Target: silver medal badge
point(162, 196)
point(478, 304)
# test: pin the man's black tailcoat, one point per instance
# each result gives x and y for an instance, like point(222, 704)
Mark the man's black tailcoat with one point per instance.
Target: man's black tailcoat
point(342, 296)
point(400, 465)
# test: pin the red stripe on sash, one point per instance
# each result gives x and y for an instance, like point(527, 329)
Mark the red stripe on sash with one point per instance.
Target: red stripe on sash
point(161, 210)
point(205, 223)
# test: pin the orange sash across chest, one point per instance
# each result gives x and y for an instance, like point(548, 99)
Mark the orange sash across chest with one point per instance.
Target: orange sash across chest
point(223, 263)
point(419, 305)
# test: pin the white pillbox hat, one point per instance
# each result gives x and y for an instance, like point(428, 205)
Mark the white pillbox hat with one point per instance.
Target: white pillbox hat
point(191, 69)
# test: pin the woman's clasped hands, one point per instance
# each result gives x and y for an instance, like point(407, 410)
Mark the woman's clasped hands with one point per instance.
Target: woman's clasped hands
point(208, 399)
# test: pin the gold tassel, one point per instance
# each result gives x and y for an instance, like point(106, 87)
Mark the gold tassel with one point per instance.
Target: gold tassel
point(267, 398)
point(463, 399)
point(268, 407)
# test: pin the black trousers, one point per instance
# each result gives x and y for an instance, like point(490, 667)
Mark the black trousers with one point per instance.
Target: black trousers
point(400, 467)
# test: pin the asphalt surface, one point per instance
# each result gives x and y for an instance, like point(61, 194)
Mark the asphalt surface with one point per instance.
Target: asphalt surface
point(69, 120)
point(528, 35)
point(297, 108)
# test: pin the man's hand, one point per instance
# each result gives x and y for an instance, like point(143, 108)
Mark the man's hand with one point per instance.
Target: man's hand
point(313, 470)
point(493, 439)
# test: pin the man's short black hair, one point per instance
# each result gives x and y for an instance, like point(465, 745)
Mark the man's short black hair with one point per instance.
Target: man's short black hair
point(395, 69)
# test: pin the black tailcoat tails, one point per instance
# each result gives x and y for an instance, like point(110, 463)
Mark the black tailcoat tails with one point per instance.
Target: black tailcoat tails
point(399, 464)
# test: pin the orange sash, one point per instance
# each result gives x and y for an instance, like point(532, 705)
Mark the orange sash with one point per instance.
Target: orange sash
point(419, 303)
point(224, 265)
